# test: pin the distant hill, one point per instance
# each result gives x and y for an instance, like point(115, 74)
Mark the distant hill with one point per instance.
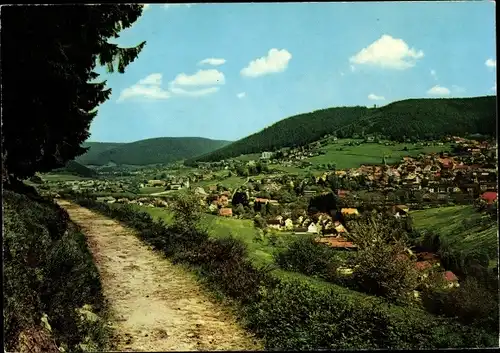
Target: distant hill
point(78, 169)
point(417, 118)
point(150, 151)
point(95, 148)
point(294, 131)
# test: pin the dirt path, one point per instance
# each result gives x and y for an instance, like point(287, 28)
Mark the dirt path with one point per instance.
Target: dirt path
point(156, 306)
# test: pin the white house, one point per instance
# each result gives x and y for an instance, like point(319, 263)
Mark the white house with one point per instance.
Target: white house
point(312, 228)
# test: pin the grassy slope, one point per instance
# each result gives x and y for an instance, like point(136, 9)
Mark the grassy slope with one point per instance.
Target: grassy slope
point(447, 221)
point(369, 153)
point(155, 151)
point(261, 253)
point(425, 118)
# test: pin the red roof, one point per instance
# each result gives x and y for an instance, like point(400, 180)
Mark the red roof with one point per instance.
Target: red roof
point(226, 212)
point(426, 256)
point(259, 200)
point(489, 196)
point(450, 276)
point(422, 265)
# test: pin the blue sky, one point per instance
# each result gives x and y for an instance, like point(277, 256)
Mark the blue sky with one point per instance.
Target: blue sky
point(224, 71)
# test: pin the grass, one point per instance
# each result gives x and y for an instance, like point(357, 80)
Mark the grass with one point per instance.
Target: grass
point(151, 189)
point(369, 153)
point(231, 182)
point(62, 177)
point(261, 252)
point(448, 223)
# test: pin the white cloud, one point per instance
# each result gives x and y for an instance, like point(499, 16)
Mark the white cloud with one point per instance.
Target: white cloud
point(491, 62)
point(153, 79)
point(433, 74)
point(212, 61)
point(353, 68)
point(241, 95)
point(275, 61)
point(201, 78)
point(148, 88)
point(197, 93)
point(388, 52)
point(374, 97)
point(438, 91)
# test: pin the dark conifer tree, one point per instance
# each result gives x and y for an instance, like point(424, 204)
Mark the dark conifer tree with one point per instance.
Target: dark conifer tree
point(49, 57)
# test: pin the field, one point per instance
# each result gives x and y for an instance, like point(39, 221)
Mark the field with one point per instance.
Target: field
point(369, 153)
point(456, 225)
point(151, 189)
point(62, 177)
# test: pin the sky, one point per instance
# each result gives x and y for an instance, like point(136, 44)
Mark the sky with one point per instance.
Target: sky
point(224, 71)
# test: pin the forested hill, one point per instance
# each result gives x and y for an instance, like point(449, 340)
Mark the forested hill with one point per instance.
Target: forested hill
point(412, 118)
point(294, 131)
point(151, 151)
point(95, 148)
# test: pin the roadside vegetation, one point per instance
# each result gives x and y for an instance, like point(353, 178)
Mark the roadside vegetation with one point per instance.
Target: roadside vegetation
point(287, 312)
point(52, 291)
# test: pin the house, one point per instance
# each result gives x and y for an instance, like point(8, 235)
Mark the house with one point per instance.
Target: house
point(451, 279)
point(223, 200)
point(175, 187)
point(349, 211)
point(402, 210)
point(339, 243)
point(288, 224)
point(490, 197)
point(312, 228)
point(266, 155)
point(274, 223)
point(156, 182)
point(226, 212)
point(339, 228)
point(261, 201)
point(300, 230)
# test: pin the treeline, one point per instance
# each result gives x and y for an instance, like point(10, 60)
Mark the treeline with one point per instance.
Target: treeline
point(291, 132)
point(291, 314)
point(152, 151)
point(417, 119)
point(75, 168)
point(51, 284)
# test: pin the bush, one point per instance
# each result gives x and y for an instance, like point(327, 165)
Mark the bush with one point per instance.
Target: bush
point(382, 269)
point(48, 269)
point(471, 303)
point(310, 258)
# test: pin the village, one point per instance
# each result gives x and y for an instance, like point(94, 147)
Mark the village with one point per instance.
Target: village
point(284, 200)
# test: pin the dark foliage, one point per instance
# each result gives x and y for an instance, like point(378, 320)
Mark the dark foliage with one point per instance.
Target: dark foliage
point(47, 269)
point(78, 169)
point(44, 127)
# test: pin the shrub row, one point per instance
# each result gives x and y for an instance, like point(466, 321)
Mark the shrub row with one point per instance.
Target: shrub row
point(289, 314)
point(48, 270)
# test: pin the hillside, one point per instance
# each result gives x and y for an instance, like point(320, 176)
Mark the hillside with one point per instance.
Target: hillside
point(95, 148)
point(416, 118)
point(75, 168)
point(294, 131)
point(151, 151)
